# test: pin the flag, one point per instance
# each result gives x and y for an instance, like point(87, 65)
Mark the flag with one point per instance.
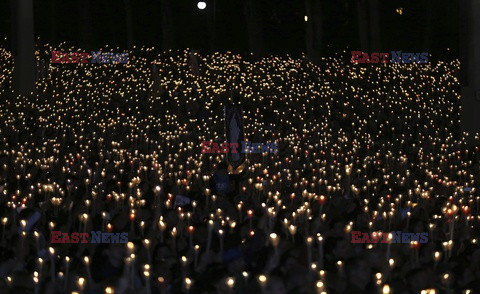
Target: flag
point(234, 134)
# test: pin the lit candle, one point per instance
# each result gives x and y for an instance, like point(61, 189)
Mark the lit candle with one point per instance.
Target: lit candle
point(220, 235)
point(340, 268)
point(67, 271)
point(210, 229)
point(250, 215)
point(52, 263)
point(275, 241)
point(292, 229)
point(263, 282)
point(146, 273)
point(4, 223)
point(415, 246)
point(37, 240)
point(320, 250)
point(197, 250)
point(191, 230)
point(146, 243)
point(86, 261)
point(35, 281)
point(309, 250)
point(230, 281)
point(142, 228)
point(436, 258)
point(162, 226)
point(132, 270)
point(389, 241)
point(81, 283)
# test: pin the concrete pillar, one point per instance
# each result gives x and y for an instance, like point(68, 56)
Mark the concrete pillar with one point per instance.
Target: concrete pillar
point(23, 46)
point(470, 58)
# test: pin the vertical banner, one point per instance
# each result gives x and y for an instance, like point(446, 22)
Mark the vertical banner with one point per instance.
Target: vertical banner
point(234, 134)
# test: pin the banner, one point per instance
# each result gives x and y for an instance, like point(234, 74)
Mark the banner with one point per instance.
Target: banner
point(234, 134)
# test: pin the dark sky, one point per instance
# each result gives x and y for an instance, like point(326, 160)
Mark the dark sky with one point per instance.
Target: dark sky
point(282, 23)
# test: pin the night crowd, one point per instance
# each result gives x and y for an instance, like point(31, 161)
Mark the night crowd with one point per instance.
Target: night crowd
point(116, 148)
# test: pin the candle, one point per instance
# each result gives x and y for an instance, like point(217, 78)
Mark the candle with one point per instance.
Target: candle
point(292, 229)
point(188, 284)
point(378, 276)
point(191, 230)
point(341, 272)
point(67, 271)
point(146, 243)
point(389, 241)
point(320, 250)
point(207, 195)
point(436, 258)
point(450, 246)
point(197, 250)
point(142, 228)
point(309, 250)
point(146, 273)
point(81, 283)
point(250, 215)
point(210, 229)
point(52, 263)
point(322, 199)
point(415, 246)
point(220, 235)
point(174, 237)
point(35, 281)
point(263, 282)
point(162, 226)
point(40, 266)
point(320, 287)
point(230, 281)
point(86, 261)
point(132, 271)
point(85, 222)
point(104, 216)
point(37, 240)
point(4, 223)
point(408, 219)
point(275, 240)
point(239, 208)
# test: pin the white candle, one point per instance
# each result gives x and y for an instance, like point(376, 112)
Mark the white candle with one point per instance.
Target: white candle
point(146, 243)
point(197, 250)
point(220, 234)
point(210, 229)
point(35, 281)
point(309, 248)
point(162, 226)
point(52, 263)
point(67, 271)
point(275, 240)
point(389, 241)
point(4, 223)
point(320, 250)
point(86, 261)
point(146, 273)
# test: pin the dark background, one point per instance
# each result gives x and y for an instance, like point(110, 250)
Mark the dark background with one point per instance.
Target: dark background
point(282, 24)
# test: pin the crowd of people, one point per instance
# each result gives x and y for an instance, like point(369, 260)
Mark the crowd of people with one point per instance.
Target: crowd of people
point(117, 148)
